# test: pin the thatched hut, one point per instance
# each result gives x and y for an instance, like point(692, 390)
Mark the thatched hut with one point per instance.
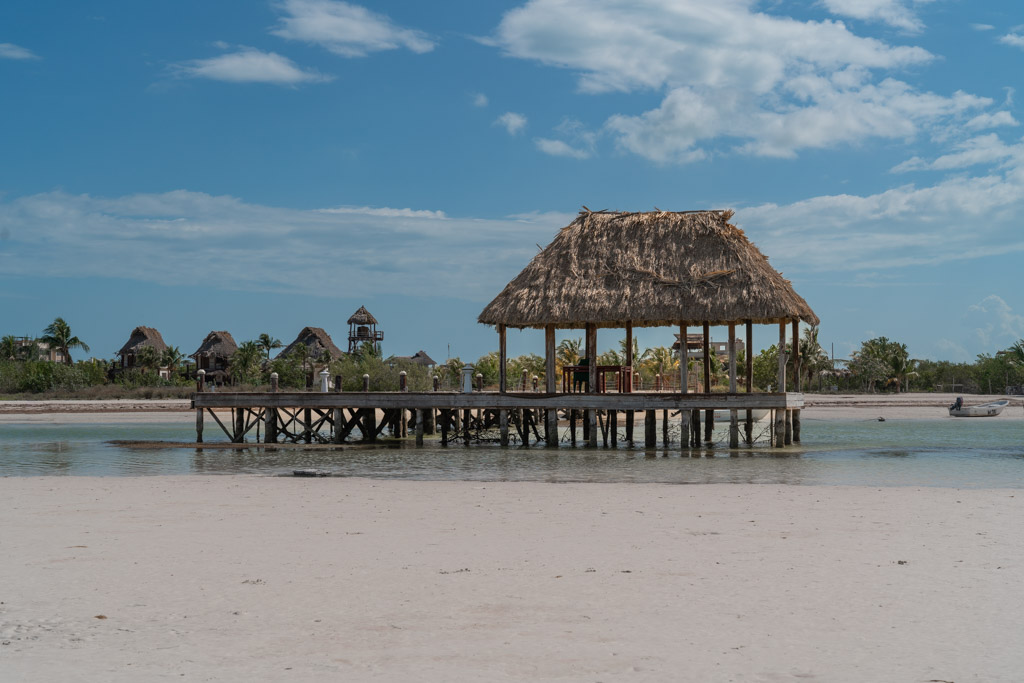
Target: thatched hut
point(141, 336)
point(649, 269)
point(214, 355)
point(362, 329)
point(420, 358)
point(316, 343)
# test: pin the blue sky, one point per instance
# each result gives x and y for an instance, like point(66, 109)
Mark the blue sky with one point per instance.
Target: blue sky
point(260, 166)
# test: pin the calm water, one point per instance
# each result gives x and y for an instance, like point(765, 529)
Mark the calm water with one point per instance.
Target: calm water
point(953, 453)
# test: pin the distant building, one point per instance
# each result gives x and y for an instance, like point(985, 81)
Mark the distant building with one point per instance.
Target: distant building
point(695, 347)
point(214, 355)
point(318, 348)
point(40, 349)
point(420, 358)
point(362, 329)
point(142, 336)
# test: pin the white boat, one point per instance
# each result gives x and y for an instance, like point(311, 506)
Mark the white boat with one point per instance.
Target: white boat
point(984, 410)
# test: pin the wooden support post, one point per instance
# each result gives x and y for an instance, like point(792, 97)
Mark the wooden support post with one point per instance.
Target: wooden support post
point(664, 428)
point(338, 419)
point(307, 425)
point(797, 379)
point(370, 424)
point(337, 384)
point(572, 425)
point(446, 416)
point(239, 425)
point(695, 427)
point(403, 381)
point(502, 360)
point(273, 382)
point(709, 415)
point(613, 426)
point(780, 415)
point(628, 381)
point(749, 380)
point(684, 387)
point(419, 426)
point(199, 425)
point(629, 426)
point(550, 414)
point(734, 428)
point(650, 429)
point(429, 422)
point(503, 426)
point(270, 425)
point(366, 382)
point(466, 419)
point(789, 427)
point(592, 384)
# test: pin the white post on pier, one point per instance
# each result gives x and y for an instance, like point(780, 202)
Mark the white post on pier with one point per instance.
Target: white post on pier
point(467, 379)
point(324, 381)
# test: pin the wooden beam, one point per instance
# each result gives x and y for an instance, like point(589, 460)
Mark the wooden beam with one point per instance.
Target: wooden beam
point(550, 414)
point(592, 387)
point(749, 355)
point(502, 359)
point(734, 432)
point(492, 400)
point(684, 387)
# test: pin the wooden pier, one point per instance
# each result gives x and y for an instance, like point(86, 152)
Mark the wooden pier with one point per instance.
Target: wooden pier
point(525, 418)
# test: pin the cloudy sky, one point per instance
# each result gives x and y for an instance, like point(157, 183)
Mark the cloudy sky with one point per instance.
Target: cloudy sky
point(259, 166)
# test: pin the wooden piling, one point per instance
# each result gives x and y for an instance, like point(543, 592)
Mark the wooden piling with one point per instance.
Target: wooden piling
point(650, 429)
point(503, 426)
point(550, 414)
point(419, 426)
point(199, 425)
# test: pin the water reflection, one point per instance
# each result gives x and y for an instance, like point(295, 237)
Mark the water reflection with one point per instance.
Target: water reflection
point(904, 453)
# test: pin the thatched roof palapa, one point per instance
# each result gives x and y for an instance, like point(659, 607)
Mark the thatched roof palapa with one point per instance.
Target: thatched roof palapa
point(362, 317)
point(315, 340)
point(420, 358)
point(652, 269)
point(217, 344)
point(143, 336)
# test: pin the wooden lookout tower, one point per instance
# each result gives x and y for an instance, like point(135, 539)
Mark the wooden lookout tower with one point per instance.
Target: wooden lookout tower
point(362, 329)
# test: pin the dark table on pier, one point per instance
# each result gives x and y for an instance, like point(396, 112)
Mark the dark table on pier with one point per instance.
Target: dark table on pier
point(623, 382)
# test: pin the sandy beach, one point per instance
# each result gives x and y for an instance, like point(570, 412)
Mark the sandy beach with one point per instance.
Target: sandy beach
point(242, 578)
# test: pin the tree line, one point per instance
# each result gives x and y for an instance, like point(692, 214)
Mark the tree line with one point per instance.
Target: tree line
point(879, 365)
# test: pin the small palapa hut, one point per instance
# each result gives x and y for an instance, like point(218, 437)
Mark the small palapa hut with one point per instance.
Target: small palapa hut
point(214, 355)
point(648, 269)
point(316, 342)
point(141, 336)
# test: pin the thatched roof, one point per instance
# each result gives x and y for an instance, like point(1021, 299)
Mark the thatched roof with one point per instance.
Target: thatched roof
point(420, 358)
point(217, 344)
point(653, 269)
point(143, 336)
point(315, 340)
point(362, 317)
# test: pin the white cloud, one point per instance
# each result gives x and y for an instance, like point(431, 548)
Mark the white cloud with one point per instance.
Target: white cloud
point(994, 322)
point(960, 218)
point(982, 27)
point(1014, 39)
point(763, 84)
point(512, 122)
point(346, 29)
point(12, 51)
point(896, 13)
point(225, 243)
point(558, 148)
point(995, 120)
point(249, 66)
point(985, 149)
point(480, 100)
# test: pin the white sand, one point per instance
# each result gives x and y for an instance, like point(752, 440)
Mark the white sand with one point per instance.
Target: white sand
point(240, 578)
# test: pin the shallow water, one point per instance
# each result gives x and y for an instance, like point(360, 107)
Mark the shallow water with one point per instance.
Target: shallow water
point(949, 453)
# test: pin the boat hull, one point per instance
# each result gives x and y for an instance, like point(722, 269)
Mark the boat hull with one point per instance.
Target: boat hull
point(986, 410)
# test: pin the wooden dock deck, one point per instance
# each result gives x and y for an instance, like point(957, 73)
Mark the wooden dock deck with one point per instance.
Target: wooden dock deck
point(532, 417)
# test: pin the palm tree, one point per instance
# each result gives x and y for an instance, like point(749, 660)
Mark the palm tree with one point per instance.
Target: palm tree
point(148, 358)
point(813, 359)
point(245, 361)
point(172, 358)
point(1015, 354)
point(268, 343)
point(8, 347)
point(568, 352)
point(57, 335)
